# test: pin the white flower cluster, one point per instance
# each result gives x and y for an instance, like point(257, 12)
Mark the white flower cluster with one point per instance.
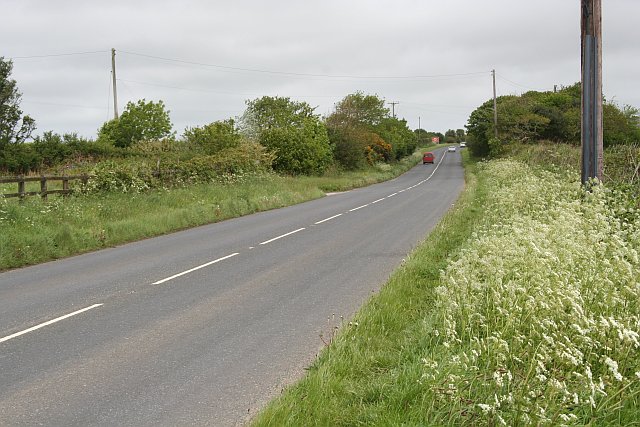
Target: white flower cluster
point(544, 301)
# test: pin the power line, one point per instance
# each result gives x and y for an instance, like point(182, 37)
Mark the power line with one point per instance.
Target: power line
point(516, 84)
point(286, 73)
point(59, 54)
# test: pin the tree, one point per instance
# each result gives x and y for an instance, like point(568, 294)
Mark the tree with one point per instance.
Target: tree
point(290, 130)
point(352, 130)
point(14, 127)
point(358, 109)
point(140, 121)
point(450, 136)
point(397, 134)
point(460, 135)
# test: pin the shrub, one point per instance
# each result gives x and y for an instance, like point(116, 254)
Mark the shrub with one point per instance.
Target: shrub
point(213, 137)
point(121, 177)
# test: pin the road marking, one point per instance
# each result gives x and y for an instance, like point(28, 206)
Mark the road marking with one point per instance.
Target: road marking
point(196, 268)
point(284, 235)
point(359, 207)
point(327, 219)
point(41, 325)
point(391, 195)
point(402, 191)
point(376, 201)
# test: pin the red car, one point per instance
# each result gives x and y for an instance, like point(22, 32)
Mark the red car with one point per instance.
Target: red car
point(428, 158)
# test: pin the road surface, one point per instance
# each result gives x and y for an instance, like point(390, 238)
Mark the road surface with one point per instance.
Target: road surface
point(204, 326)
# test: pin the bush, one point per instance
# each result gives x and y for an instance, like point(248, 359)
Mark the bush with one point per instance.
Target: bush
point(213, 137)
point(140, 121)
point(121, 177)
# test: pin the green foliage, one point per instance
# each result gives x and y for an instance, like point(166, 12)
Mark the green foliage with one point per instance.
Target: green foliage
point(14, 127)
point(358, 110)
point(18, 158)
point(228, 165)
point(348, 147)
point(396, 133)
point(140, 121)
point(360, 130)
point(553, 116)
point(214, 137)
point(450, 136)
point(120, 177)
point(291, 131)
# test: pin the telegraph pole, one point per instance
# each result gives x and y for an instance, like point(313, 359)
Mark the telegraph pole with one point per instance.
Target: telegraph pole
point(495, 105)
point(115, 91)
point(393, 108)
point(591, 37)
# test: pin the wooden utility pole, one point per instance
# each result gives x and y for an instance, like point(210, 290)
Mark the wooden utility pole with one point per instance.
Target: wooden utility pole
point(115, 91)
point(591, 37)
point(393, 108)
point(495, 106)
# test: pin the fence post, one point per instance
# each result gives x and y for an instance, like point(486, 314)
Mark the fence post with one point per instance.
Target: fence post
point(43, 187)
point(65, 186)
point(21, 187)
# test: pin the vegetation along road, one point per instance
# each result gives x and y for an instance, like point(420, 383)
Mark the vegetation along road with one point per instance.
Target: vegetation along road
point(205, 325)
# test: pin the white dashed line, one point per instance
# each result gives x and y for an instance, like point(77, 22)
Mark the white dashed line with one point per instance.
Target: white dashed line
point(327, 219)
point(284, 235)
point(196, 268)
point(376, 201)
point(41, 325)
point(359, 207)
point(391, 195)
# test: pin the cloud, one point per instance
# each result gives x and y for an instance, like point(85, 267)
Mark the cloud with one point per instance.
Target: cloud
point(532, 45)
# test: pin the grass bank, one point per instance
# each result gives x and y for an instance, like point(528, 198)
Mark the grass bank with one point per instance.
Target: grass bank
point(34, 231)
point(521, 307)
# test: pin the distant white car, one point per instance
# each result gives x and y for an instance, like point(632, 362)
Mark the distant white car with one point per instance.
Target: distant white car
point(452, 148)
point(463, 144)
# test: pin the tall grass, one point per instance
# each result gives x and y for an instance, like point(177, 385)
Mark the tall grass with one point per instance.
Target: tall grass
point(523, 307)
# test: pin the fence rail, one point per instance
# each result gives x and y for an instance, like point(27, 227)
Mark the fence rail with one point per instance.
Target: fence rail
point(44, 180)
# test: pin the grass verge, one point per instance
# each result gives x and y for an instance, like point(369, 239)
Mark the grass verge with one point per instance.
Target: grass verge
point(35, 231)
point(369, 374)
point(522, 307)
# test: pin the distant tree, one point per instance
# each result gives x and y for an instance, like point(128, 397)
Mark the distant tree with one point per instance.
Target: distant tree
point(291, 131)
point(14, 127)
point(358, 110)
point(460, 135)
point(140, 121)
point(396, 133)
point(450, 136)
point(214, 137)
point(355, 131)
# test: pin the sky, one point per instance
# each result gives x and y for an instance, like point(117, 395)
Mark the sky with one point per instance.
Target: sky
point(205, 59)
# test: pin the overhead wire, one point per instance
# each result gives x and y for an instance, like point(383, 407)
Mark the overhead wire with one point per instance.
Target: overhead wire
point(59, 54)
point(288, 73)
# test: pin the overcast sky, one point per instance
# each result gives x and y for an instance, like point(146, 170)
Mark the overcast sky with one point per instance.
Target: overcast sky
point(204, 59)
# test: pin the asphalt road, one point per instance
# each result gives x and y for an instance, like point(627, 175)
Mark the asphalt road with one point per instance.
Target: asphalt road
point(204, 326)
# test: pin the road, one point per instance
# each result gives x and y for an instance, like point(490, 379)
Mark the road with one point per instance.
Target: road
point(204, 326)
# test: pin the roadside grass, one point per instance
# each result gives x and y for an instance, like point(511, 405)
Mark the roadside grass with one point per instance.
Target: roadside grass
point(521, 307)
point(34, 230)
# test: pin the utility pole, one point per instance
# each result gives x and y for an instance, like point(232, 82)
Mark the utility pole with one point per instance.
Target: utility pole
point(115, 91)
point(393, 108)
point(495, 105)
point(591, 37)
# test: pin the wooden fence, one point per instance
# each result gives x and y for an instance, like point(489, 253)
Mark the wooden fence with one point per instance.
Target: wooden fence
point(44, 180)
